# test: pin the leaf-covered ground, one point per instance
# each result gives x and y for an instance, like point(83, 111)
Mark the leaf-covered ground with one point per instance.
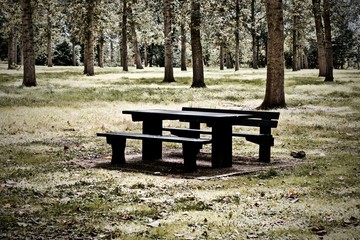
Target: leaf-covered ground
point(48, 130)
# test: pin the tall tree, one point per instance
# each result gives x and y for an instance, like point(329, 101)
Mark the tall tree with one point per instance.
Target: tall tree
point(89, 63)
point(253, 36)
point(169, 72)
point(328, 45)
point(124, 60)
point(135, 44)
point(237, 34)
point(274, 94)
point(320, 41)
point(29, 76)
point(197, 59)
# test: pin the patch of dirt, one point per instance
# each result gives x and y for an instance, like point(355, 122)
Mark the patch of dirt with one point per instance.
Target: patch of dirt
point(171, 165)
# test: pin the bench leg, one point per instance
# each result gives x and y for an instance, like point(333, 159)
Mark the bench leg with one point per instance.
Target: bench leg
point(118, 151)
point(190, 151)
point(264, 153)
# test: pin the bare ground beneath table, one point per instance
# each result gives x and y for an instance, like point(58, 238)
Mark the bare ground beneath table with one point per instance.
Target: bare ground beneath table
point(172, 165)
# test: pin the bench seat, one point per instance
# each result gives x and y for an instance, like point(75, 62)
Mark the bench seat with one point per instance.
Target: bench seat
point(191, 146)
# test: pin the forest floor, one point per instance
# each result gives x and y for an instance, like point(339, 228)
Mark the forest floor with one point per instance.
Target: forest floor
point(57, 182)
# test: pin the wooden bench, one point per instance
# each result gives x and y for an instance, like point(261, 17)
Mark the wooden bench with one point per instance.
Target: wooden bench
point(191, 146)
point(264, 120)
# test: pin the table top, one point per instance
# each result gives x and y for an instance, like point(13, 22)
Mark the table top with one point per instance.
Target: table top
point(139, 115)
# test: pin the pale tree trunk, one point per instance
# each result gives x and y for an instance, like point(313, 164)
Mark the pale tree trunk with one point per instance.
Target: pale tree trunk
point(137, 56)
point(101, 51)
point(124, 60)
point(274, 94)
point(295, 63)
point(11, 51)
point(197, 59)
point(237, 35)
point(146, 62)
point(320, 42)
point(183, 47)
point(73, 52)
point(169, 72)
point(253, 36)
point(29, 77)
point(328, 46)
point(90, 71)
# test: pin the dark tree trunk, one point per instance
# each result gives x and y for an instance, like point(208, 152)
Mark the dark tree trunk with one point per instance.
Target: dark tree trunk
point(320, 42)
point(198, 65)
point(49, 38)
point(328, 46)
point(169, 72)
point(237, 35)
point(229, 61)
point(183, 47)
point(124, 61)
point(253, 36)
point(29, 77)
point(90, 71)
point(274, 94)
point(221, 57)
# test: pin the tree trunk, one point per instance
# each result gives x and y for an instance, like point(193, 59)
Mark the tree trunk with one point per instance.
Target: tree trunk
point(73, 52)
point(328, 46)
point(146, 62)
point(29, 77)
point(11, 50)
point(274, 94)
point(101, 51)
point(137, 56)
point(49, 38)
point(253, 36)
point(237, 35)
point(198, 65)
point(229, 61)
point(295, 45)
point(183, 47)
point(320, 42)
point(169, 72)
point(90, 71)
point(221, 57)
point(124, 61)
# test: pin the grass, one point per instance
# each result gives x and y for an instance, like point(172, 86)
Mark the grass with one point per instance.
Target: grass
point(43, 195)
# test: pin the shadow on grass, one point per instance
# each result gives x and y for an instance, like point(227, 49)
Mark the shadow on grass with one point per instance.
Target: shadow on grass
point(171, 165)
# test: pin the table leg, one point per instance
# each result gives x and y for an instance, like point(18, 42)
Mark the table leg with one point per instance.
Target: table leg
point(221, 145)
point(152, 149)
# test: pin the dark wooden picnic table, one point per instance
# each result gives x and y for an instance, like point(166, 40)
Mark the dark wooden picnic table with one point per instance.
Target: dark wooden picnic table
point(220, 123)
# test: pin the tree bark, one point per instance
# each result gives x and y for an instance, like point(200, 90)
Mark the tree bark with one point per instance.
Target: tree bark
point(198, 65)
point(101, 51)
point(124, 61)
point(169, 72)
point(183, 47)
point(274, 94)
point(237, 35)
point(49, 38)
point(221, 57)
point(90, 71)
point(295, 63)
point(137, 56)
point(328, 46)
point(29, 77)
point(253, 36)
point(146, 61)
point(320, 42)
point(11, 51)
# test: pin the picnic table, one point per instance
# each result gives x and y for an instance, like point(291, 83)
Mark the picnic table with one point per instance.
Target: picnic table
point(219, 121)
